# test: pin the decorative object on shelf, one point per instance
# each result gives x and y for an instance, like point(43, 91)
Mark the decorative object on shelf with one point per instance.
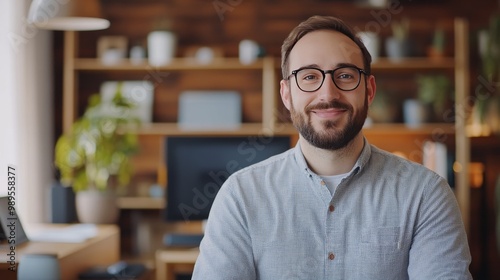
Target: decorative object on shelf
point(75, 15)
point(140, 94)
point(438, 46)
point(93, 157)
point(137, 54)
point(487, 106)
point(415, 113)
point(398, 45)
point(209, 110)
point(372, 43)
point(111, 49)
point(384, 108)
point(162, 44)
point(248, 51)
point(204, 54)
point(435, 91)
point(378, 3)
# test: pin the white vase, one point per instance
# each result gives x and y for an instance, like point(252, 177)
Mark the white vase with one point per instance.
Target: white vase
point(371, 40)
point(248, 51)
point(97, 207)
point(415, 113)
point(161, 47)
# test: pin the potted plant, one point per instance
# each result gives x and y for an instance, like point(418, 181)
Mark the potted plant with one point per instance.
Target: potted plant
point(437, 48)
point(435, 91)
point(487, 106)
point(385, 107)
point(398, 45)
point(93, 157)
point(433, 94)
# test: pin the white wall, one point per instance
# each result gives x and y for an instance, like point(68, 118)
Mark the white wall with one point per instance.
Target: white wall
point(26, 109)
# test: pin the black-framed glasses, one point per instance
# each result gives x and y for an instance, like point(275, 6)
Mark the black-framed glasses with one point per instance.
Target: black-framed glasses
point(310, 79)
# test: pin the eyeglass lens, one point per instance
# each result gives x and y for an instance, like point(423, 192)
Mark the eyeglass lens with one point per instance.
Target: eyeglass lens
point(311, 79)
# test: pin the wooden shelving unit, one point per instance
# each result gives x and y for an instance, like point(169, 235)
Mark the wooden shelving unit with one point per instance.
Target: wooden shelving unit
point(269, 124)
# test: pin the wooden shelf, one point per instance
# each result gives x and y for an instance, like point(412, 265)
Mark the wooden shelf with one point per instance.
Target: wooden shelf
point(177, 64)
point(414, 63)
point(139, 202)
point(402, 129)
point(173, 129)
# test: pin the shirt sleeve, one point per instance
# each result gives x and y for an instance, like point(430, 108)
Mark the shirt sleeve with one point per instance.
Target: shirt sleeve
point(225, 251)
point(440, 248)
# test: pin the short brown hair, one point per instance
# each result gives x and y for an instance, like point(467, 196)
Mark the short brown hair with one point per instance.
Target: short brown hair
point(315, 23)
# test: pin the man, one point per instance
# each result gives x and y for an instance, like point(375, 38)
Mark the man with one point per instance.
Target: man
point(334, 207)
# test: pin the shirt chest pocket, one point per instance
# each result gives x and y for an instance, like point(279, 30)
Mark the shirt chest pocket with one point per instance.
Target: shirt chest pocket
point(380, 241)
point(381, 254)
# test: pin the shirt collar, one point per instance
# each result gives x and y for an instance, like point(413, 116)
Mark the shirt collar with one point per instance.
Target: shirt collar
point(360, 162)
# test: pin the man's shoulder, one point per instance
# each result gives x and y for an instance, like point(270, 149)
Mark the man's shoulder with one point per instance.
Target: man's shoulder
point(271, 164)
point(393, 162)
point(381, 154)
point(260, 176)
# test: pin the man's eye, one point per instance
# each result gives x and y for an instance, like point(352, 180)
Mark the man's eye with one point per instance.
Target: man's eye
point(345, 76)
point(310, 77)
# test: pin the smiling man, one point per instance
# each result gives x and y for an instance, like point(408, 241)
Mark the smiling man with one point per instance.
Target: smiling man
point(333, 207)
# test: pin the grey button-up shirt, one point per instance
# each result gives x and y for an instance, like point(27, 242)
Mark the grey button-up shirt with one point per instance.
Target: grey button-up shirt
point(388, 219)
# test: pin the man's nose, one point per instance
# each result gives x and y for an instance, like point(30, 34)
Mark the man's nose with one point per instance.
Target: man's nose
point(328, 90)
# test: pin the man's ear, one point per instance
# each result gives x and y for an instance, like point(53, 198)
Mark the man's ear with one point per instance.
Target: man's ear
point(285, 93)
point(371, 88)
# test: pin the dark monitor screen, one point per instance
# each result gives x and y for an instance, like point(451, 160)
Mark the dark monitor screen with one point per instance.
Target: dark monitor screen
point(197, 167)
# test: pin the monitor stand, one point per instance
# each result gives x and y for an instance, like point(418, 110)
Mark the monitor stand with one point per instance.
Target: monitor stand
point(182, 239)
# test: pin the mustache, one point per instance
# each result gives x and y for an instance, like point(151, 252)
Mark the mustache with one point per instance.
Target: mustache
point(328, 105)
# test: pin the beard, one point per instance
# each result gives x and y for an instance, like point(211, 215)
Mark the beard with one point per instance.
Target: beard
point(331, 136)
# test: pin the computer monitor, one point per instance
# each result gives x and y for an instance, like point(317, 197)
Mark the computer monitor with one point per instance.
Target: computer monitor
point(197, 167)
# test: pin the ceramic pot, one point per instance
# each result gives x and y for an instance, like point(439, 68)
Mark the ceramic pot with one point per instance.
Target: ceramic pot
point(161, 47)
point(371, 40)
point(97, 207)
point(397, 49)
point(416, 113)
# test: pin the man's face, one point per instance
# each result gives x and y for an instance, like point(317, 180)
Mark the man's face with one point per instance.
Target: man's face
point(328, 118)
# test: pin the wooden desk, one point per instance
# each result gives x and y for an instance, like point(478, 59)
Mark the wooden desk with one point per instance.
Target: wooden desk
point(170, 262)
point(103, 249)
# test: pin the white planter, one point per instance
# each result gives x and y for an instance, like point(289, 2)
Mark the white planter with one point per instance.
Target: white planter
point(161, 47)
point(371, 40)
point(415, 113)
point(248, 51)
point(397, 49)
point(96, 207)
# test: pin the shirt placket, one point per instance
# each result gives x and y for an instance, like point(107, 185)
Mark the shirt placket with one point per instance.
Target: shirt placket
point(330, 252)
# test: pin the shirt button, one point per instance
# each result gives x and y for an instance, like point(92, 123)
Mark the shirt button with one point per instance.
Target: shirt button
point(331, 256)
point(331, 208)
point(323, 183)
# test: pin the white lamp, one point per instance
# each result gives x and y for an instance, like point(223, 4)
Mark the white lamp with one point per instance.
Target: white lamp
point(77, 15)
